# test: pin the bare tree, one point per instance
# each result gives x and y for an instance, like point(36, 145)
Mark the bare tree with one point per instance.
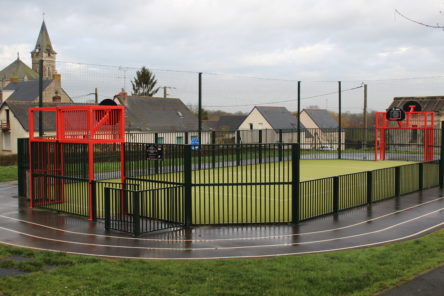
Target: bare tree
point(437, 26)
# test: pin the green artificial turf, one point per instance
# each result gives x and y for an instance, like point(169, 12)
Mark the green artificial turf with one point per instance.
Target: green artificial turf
point(352, 272)
point(220, 204)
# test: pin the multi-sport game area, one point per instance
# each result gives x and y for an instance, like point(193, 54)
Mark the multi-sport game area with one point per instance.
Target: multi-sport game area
point(87, 169)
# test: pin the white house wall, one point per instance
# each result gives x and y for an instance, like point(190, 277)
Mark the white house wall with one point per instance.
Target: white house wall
point(258, 121)
point(16, 131)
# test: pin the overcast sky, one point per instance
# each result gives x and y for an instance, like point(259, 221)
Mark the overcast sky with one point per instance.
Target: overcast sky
point(351, 40)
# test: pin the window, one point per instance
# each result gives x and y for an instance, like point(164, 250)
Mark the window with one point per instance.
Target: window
point(180, 114)
point(159, 140)
point(179, 140)
point(251, 126)
point(7, 141)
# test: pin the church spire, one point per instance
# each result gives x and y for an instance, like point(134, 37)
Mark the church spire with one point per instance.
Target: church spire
point(43, 51)
point(43, 42)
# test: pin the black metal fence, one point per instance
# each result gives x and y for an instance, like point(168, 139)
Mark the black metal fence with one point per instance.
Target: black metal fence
point(22, 166)
point(333, 194)
point(143, 211)
point(316, 143)
point(210, 184)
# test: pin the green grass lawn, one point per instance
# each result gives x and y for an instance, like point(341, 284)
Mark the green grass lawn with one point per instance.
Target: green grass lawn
point(8, 173)
point(353, 272)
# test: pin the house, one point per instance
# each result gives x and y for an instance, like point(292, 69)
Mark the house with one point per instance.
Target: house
point(21, 83)
point(226, 127)
point(43, 50)
point(28, 91)
point(429, 103)
point(229, 123)
point(323, 129)
point(15, 125)
point(271, 120)
point(19, 90)
point(167, 119)
point(17, 70)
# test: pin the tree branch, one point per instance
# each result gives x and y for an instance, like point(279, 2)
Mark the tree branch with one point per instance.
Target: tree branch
point(438, 26)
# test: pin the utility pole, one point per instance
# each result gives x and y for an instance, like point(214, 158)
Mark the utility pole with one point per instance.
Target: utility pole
point(365, 116)
point(200, 107)
point(165, 88)
point(299, 113)
point(41, 97)
point(96, 96)
point(340, 119)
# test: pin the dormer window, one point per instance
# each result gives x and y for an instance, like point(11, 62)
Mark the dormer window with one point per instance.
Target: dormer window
point(180, 114)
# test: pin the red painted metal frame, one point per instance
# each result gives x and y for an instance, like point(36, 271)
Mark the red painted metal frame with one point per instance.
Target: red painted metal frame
point(86, 124)
point(413, 121)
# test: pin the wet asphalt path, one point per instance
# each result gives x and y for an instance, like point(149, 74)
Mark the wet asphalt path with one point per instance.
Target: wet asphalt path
point(388, 221)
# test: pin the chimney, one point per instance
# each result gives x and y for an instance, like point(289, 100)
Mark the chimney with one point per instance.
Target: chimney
point(57, 81)
point(122, 97)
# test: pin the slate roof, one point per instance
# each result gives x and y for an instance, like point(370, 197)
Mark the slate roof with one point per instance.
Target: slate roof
point(20, 111)
point(19, 70)
point(230, 122)
point(322, 118)
point(158, 114)
point(430, 103)
point(25, 91)
point(279, 117)
point(43, 42)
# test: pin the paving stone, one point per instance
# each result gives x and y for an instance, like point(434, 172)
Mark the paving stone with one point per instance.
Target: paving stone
point(17, 258)
point(10, 272)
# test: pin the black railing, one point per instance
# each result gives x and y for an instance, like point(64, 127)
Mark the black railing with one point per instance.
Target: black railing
point(61, 193)
point(143, 211)
point(357, 143)
point(22, 166)
point(212, 184)
point(333, 194)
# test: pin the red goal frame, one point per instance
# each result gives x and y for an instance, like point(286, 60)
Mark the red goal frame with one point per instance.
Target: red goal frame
point(413, 120)
point(84, 124)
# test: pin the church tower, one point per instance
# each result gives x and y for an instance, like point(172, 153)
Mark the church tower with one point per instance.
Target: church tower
point(43, 51)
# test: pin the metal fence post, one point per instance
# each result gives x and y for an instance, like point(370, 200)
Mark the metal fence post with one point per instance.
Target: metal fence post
point(295, 170)
point(340, 120)
point(397, 181)
point(94, 200)
point(421, 176)
point(441, 158)
point(136, 212)
point(213, 148)
point(21, 167)
point(238, 148)
point(186, 138)
point(369, 187)
point(156, 163)
point(260, 146)
point(336, 194)
point(40, 98)
point(188, 183)
point(280, 145)
point(107, 208)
